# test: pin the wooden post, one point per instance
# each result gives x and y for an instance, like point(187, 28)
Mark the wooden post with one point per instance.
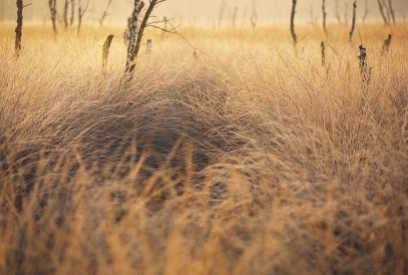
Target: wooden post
point(323, 53)
point(106, 50)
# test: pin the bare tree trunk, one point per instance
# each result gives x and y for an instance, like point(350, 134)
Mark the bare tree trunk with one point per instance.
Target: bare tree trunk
point(392, 12)
point(221, 13)
point(135, 34)
point(19, 27)
point(353, 22)
point(66, 6)
point(234, 17)
point(292, 22)
point(81, 13)
point(72, 18)
point(324, 14)
point(346, 13)
point(53, 13)
point(366, 11)
point(381, 9)
point(105, 13)
point(337, 11)
point(144, 23)
point(79, 25)
point(254, 15)
point(132, 36)
point(387, 10)
point(311, 15)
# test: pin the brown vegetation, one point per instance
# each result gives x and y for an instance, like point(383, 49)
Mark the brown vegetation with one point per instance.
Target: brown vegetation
point(246, 160)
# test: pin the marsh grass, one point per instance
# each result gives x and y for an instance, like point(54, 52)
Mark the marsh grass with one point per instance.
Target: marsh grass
point(246, 160)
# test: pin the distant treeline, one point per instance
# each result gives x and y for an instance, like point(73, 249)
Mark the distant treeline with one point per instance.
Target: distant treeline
point(218, 12)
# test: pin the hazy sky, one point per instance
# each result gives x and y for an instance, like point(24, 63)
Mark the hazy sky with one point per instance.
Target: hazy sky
point(268, 9)
point(200, 11)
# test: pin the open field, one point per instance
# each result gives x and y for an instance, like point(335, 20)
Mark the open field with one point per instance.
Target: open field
point(244, 159)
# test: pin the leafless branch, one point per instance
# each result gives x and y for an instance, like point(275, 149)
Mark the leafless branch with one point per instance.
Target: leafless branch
point(81, 12)
point(105, 13)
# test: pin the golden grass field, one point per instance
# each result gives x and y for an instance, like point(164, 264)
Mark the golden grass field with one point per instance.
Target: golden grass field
point(247, 159)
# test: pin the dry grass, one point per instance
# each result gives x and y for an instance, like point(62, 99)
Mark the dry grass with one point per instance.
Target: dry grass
point(247, 160)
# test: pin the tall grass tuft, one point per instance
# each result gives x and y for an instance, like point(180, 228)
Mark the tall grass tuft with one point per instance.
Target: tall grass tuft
point(241, 161)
